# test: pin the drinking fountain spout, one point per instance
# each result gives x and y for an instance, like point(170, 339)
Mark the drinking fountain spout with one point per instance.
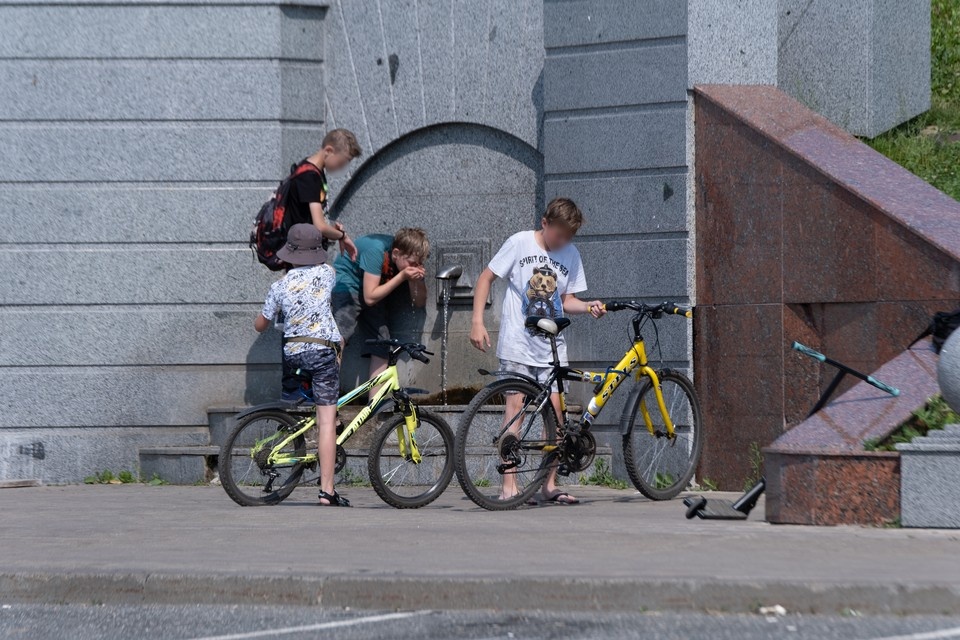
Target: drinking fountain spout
point(447, 276)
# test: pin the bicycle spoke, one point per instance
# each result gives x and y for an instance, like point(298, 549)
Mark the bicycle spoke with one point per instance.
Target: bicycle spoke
point(500, 449)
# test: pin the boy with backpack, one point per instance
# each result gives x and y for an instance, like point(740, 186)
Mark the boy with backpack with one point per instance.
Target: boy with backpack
point(376, 292)
point(303, 198)
point(544, 273)
point(312, 343)
point(309, 193)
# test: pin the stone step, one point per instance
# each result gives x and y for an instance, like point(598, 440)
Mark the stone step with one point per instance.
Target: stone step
point(197, 464)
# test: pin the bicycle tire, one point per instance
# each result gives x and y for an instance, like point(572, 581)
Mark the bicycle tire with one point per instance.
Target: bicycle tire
point(655, 473)
point(390, 474)
point(478, 455)
point(240, 475)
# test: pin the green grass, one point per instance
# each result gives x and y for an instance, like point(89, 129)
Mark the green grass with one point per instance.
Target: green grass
point(602, 476)
point(935, 414)
point(927, 145)
point(106, 477)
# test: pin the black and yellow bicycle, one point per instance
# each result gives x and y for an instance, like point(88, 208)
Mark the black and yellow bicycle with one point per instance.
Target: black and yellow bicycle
point(511, 436)
point(409, 460)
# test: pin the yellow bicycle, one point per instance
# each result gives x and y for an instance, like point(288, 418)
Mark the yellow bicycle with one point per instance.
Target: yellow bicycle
point(510, 435)
point(409, 459)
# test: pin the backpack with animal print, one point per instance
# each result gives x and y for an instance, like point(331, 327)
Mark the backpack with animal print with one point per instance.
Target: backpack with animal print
point(271, 224)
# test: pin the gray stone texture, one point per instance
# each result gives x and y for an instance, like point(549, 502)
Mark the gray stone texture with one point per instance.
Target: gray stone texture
point(864, 64)
point(94, 151)
point(594, 22)
point(930, 480)
point(595, 142)
point(132, 212)
point(948, 371)
point(162, 31)
point(124, 90)
point(57, 456)
point(732, 42)
point(137, 141)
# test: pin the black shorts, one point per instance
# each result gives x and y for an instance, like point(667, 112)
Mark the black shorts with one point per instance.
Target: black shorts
point(393, 317)
point(321, 366)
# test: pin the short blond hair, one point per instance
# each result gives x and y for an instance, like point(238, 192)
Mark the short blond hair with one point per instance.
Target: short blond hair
point(413, 242)
point(343, 141)
point(566, 212)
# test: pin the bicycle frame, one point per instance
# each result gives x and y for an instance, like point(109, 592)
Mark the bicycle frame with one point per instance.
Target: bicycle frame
point(389, 383)
point(634, 361)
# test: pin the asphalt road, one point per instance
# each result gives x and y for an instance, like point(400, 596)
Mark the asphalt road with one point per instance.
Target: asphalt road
point(210, 622)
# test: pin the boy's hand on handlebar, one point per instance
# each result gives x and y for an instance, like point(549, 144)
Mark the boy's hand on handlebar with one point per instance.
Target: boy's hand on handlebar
point(479, 337)
point(596, 308)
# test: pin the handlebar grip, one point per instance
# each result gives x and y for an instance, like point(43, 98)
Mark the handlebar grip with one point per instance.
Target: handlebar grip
point(614, 305)
point(807, 351)
point(418, 355)
point(883, 387)
point(680, 311)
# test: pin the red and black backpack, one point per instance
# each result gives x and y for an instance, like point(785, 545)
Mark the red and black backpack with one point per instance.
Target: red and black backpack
point(271, 224)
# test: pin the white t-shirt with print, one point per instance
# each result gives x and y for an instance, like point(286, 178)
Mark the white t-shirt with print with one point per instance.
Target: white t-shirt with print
point(536, 279)
point(304, 297)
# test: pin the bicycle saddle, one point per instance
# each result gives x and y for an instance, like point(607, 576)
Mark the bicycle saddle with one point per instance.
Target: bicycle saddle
point(549, 326)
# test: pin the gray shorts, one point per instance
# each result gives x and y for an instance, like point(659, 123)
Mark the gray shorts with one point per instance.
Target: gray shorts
point(321, 367)
point(393, 317)
point(539, 374)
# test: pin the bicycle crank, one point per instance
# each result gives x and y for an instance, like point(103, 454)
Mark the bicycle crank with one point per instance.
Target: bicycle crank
point(577, 452)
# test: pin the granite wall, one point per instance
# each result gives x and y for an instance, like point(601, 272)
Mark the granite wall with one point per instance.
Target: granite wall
point(614, 140)
point(446, 99)
point(804, 233)
point(137, 141)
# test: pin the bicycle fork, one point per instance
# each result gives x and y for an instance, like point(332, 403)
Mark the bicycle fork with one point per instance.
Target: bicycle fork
point(661, 405)
point(406, 431)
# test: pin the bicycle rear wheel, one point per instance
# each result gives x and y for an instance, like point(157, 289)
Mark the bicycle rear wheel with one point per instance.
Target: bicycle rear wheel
point(660, 467)
point(244, 473)
point(398, 479)
point(500, 449)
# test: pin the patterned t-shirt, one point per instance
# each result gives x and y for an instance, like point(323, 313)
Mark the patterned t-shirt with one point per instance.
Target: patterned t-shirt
point(303, 295)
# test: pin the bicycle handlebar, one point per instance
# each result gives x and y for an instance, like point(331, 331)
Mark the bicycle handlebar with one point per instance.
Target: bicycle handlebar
point(416, 350)
point(664, 307)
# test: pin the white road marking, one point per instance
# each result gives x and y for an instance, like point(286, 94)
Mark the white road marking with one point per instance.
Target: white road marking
point(320, 626)
point(927, 635)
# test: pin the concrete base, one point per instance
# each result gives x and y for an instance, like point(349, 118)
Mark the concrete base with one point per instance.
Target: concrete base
point(930, 480)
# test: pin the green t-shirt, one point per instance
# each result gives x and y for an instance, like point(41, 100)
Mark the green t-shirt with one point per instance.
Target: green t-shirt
point(373, 256)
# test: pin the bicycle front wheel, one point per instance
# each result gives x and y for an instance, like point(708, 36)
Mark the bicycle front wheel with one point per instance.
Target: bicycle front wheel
point(505, 443)
point(659, 466)
point(399, 479)
point(244, 472)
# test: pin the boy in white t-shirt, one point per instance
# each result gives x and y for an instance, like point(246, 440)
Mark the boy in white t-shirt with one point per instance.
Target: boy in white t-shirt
point(543, 273)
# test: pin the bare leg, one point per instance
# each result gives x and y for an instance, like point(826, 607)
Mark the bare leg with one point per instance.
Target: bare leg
point(550, 485)
point(514, 403)
point(327, 446)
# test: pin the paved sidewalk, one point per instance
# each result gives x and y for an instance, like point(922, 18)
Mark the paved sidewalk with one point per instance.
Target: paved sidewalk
point(616, 551)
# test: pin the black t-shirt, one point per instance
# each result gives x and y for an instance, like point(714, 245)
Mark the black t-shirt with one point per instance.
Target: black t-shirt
point(305, 188)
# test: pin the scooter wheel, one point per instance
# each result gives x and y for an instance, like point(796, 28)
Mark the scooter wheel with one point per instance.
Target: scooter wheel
point(694, 506)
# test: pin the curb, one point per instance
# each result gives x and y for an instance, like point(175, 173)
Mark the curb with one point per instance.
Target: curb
point(522, 593)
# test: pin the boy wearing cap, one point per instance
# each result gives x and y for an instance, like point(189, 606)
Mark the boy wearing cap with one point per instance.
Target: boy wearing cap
point(312, 341)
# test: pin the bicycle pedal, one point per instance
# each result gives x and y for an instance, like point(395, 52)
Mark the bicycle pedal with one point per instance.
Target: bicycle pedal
point(563, 470)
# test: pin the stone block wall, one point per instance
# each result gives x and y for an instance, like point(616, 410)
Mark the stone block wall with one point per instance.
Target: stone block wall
point(614, 141)
point(864, 64)
point(137, 141)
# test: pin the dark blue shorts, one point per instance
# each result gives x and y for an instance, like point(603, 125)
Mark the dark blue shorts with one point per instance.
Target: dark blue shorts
point(321, 367)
